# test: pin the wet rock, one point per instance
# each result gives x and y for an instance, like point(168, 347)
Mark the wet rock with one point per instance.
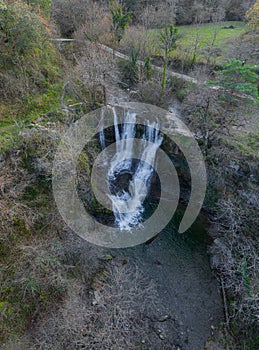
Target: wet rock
point(97, 298)
point(161, 337)
point(107, 257)
point(234, 166)
point(164, 318)
point(160, 334)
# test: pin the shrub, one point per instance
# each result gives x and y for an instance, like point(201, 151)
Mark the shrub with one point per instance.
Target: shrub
point(237, 77)
point(27, 57)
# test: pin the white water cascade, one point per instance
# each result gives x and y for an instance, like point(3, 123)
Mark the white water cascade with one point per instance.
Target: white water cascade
point(127, 203)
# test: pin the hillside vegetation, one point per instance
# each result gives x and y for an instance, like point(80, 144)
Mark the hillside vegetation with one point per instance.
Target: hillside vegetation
point(58, 292)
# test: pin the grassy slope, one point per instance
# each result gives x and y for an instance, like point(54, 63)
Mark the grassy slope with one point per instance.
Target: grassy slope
point(15, 116)
point(206, 32)
point(205, 35)
point(246, 139)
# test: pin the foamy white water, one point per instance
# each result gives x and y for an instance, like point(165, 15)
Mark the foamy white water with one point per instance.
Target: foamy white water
point(127, 204)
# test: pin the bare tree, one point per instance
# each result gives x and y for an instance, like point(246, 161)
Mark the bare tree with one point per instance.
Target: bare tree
point(89, 76)
point(210, 114)
point(236, 261)
point(71, 15)
point(157, 15)
point(109, 316)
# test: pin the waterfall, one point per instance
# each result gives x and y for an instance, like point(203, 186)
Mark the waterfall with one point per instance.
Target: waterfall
point(127, 203)
point(122, 161)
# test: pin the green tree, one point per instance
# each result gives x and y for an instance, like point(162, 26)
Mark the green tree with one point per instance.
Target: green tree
point(252, 16)
point(119, 20)
point(237, 77)
point(168, 38)
point(130, 68)
point(147, 67)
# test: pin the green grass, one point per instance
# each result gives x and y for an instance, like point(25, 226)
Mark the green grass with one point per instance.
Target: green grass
point(205, 33)
point(248, 143)
point(13, 117)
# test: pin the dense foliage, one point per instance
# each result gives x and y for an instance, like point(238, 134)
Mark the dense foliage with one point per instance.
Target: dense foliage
point(252, 16)
point(27, 57)
point(238, 77)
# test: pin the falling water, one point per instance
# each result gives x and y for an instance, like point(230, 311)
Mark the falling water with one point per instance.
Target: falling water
point(127, 204)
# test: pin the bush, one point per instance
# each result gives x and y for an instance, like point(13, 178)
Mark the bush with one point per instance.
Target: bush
point(43, 6)
point(237, 77)
point(31, 279)
point(27, 57)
